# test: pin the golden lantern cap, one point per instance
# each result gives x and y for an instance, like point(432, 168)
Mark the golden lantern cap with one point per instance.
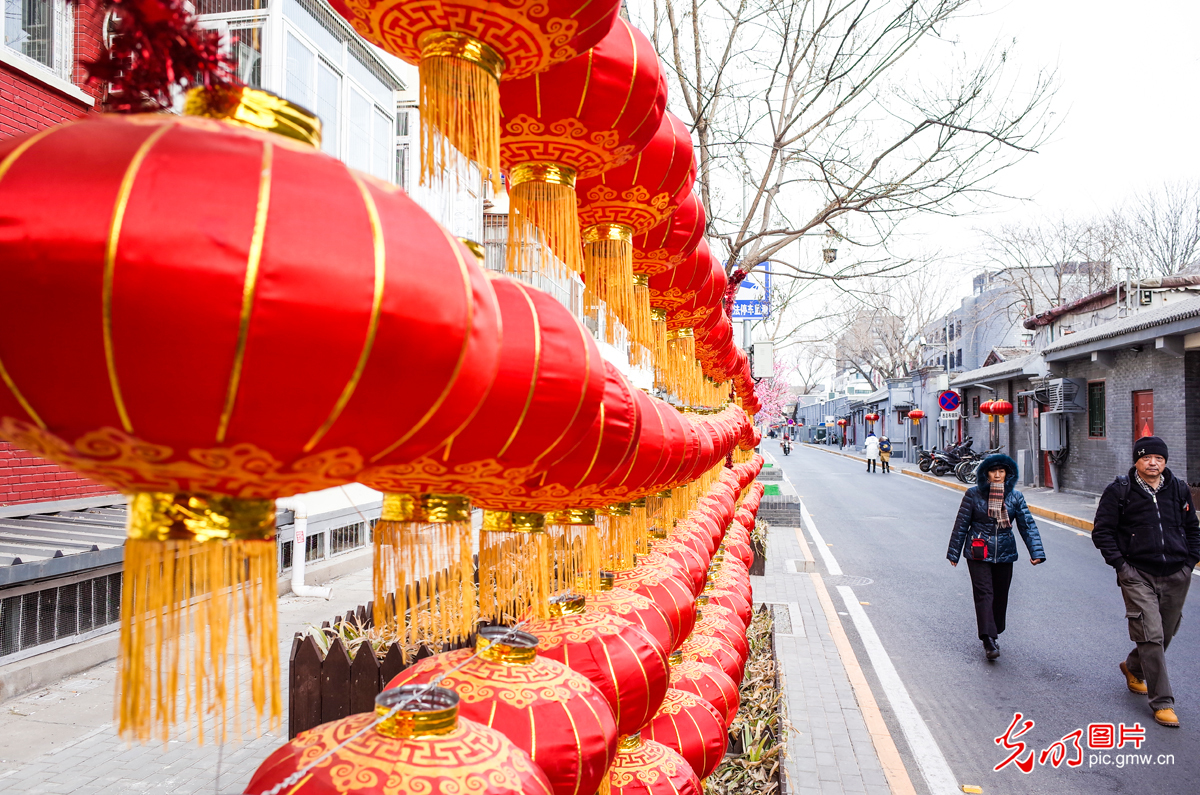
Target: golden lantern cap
point(257, 109)
point(506, 645)
point(425, 508)
point(640, 502)
point(675, 657)
point(665, 493)
point(681, 333)
point(416, 711)
point(514, 521)
point(165, 516)
point(658, 315)
point(475, 248)
point(553, 173)
point(657, 533)
point(609, 230)
point(450, 44)
point(702, 599)
point(607, 581)
point(619, 509)
point(568, 605)
point(643, 280)
point(630, 742)
point(572, 516)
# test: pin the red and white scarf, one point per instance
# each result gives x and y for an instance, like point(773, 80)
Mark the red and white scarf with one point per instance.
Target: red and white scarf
point(996, 504)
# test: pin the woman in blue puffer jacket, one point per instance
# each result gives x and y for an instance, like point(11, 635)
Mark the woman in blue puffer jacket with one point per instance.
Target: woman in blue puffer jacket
point(984, 529)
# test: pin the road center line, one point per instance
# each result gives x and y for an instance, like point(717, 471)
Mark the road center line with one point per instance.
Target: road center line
point(934, 768)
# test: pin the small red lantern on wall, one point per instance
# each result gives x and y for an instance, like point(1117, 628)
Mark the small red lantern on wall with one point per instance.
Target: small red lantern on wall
point(916, 415)
point(842, 423)
point(871, 418)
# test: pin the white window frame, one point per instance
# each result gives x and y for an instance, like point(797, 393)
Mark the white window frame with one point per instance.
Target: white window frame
point(60, 74)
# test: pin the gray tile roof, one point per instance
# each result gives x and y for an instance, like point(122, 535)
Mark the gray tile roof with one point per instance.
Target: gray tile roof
point(1159, 316)
point(994, 371)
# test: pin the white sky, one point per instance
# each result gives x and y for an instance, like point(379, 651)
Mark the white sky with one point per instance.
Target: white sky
point(1129, 101)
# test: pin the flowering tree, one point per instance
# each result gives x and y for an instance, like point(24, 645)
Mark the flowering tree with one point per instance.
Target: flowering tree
point(773, 393)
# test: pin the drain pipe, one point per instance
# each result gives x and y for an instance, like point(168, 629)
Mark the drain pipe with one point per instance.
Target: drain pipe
point(300, 511)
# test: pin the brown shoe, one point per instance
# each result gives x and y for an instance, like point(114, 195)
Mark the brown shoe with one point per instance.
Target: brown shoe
point(1166, 717)
point(1135, 685)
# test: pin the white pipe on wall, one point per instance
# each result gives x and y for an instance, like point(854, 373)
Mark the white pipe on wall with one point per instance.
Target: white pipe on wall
point(300, 511)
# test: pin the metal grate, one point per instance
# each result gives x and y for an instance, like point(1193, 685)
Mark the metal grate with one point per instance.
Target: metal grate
point(344, 539)
point(228, 6)
point(314, 547)
point(783, 619)
point(36, 618)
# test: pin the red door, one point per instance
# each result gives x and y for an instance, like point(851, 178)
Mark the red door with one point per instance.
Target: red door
point(1143, 413)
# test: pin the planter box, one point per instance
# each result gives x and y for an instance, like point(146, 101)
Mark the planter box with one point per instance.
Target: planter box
point(758, 566)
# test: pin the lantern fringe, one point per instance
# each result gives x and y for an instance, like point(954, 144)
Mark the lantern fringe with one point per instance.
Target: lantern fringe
point(424, 581)
point(641, 329)
point(542, 213)
point(189, 611)
point(659, 349)
point(608, 274)
point(460, 119)
point(681, 369)
point(515, 576)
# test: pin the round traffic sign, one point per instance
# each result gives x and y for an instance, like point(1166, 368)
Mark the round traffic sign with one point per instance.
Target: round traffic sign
point(949, 400)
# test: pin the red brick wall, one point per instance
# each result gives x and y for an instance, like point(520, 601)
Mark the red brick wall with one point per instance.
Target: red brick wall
point(28, 105)
point(26, 478)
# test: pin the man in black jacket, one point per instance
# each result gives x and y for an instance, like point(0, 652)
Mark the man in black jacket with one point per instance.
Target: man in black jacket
point(1146, 528)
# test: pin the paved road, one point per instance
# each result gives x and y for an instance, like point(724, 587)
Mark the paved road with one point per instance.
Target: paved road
point(1066, 634)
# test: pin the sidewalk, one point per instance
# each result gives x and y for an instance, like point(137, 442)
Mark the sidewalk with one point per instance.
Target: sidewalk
point(1073, 510)
point(836, 734)
point(61, 739)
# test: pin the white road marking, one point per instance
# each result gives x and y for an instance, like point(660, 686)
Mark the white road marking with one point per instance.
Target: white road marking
point(925, 749)
point(822, 547)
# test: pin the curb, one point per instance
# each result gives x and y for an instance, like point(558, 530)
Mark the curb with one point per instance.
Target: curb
point(1045, 513)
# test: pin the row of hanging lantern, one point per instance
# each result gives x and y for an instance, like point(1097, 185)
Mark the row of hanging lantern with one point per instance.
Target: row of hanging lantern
point(190, 261)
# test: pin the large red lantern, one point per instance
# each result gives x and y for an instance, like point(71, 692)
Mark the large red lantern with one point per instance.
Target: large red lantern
point(576, 120)
point(546, 396)
point(635, 608)
point(668, 244)
point(549, 711)
point(1001, 408)
point(620, 658)
point(872, 417)
point(108, 229)
point(916, 415)
point(690, 726)
point(420, 744)
point(708, 682)
point(668, 590)
point(985, 408)
point(464, 48)
point(842, 423)
point(644, 767)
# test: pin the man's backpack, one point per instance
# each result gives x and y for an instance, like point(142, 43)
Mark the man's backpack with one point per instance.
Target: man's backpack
point(1123, 492)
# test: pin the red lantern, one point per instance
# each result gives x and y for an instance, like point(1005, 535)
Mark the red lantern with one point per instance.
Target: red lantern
point(721, 623)
point(644, 767)
point(842, 423)
point(464, 49)
point(635, 608)
point(1001, 408)
point(108, 230)
point(576, 120)
point(635, 197)
point(424, 747)
point(690, 726)
point(549, 711)
point(617, 656)
point(916, 415)
point(668, 244)
point(708, 682)
point(985, 408)
point(716, 652)
point(669, 591)
point(872, 417)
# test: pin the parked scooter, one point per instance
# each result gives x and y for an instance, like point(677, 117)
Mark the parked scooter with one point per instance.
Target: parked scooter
point(967, 469)
point(924, 459)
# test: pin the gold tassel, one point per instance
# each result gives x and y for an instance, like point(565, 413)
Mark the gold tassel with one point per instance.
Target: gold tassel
point(542, 210)
point(580, 525)
point(658, 347)
point(198, 595)
point(459, 107)
point(423, 576)
point(608, 273)
point(515, 574)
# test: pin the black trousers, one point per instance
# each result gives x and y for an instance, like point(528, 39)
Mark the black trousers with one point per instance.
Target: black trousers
point(989, 587)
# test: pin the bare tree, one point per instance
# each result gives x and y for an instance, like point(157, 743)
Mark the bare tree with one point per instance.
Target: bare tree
point(805, 365)
point(815, 115)
point(1047, 263)
point(1159, 229)
point(880, 337)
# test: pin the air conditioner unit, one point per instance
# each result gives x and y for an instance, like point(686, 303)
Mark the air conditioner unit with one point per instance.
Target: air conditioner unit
point(1065, 395)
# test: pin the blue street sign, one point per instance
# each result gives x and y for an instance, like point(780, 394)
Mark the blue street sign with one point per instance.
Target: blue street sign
point(753, 296)
point(949, 400)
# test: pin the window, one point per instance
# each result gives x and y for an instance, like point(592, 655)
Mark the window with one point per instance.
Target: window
point(245, 48)
point(42, 31)
point(958, 331)
point(314, 547)
point(1096, 410)
point(1022, 405)
point(958, 358)
point(952, 332)
point(975, 406)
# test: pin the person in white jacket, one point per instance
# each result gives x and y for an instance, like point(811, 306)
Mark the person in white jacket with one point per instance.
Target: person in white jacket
point(871, 449)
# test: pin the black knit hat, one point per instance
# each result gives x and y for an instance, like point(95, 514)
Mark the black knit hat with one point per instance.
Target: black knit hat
point(1149, 445)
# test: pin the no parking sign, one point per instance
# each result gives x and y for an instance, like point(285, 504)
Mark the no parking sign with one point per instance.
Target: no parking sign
point(949, 400)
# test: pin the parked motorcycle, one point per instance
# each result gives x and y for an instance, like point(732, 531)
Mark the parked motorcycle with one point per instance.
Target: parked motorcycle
point(924, 460)
point(944, 461)
point(967, 470)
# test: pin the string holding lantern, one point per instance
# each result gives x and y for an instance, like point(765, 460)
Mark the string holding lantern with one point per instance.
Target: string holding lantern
point(107, 231)
point(465, 49)
point(576, 120)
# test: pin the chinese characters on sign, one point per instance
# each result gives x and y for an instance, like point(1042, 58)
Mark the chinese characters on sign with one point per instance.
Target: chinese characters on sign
point(1069, 750)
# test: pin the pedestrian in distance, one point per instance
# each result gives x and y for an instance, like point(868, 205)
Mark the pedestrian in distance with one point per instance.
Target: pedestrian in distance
point(1146, 528)
point(984, 528)
point(885, 453)
point(871, 451)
